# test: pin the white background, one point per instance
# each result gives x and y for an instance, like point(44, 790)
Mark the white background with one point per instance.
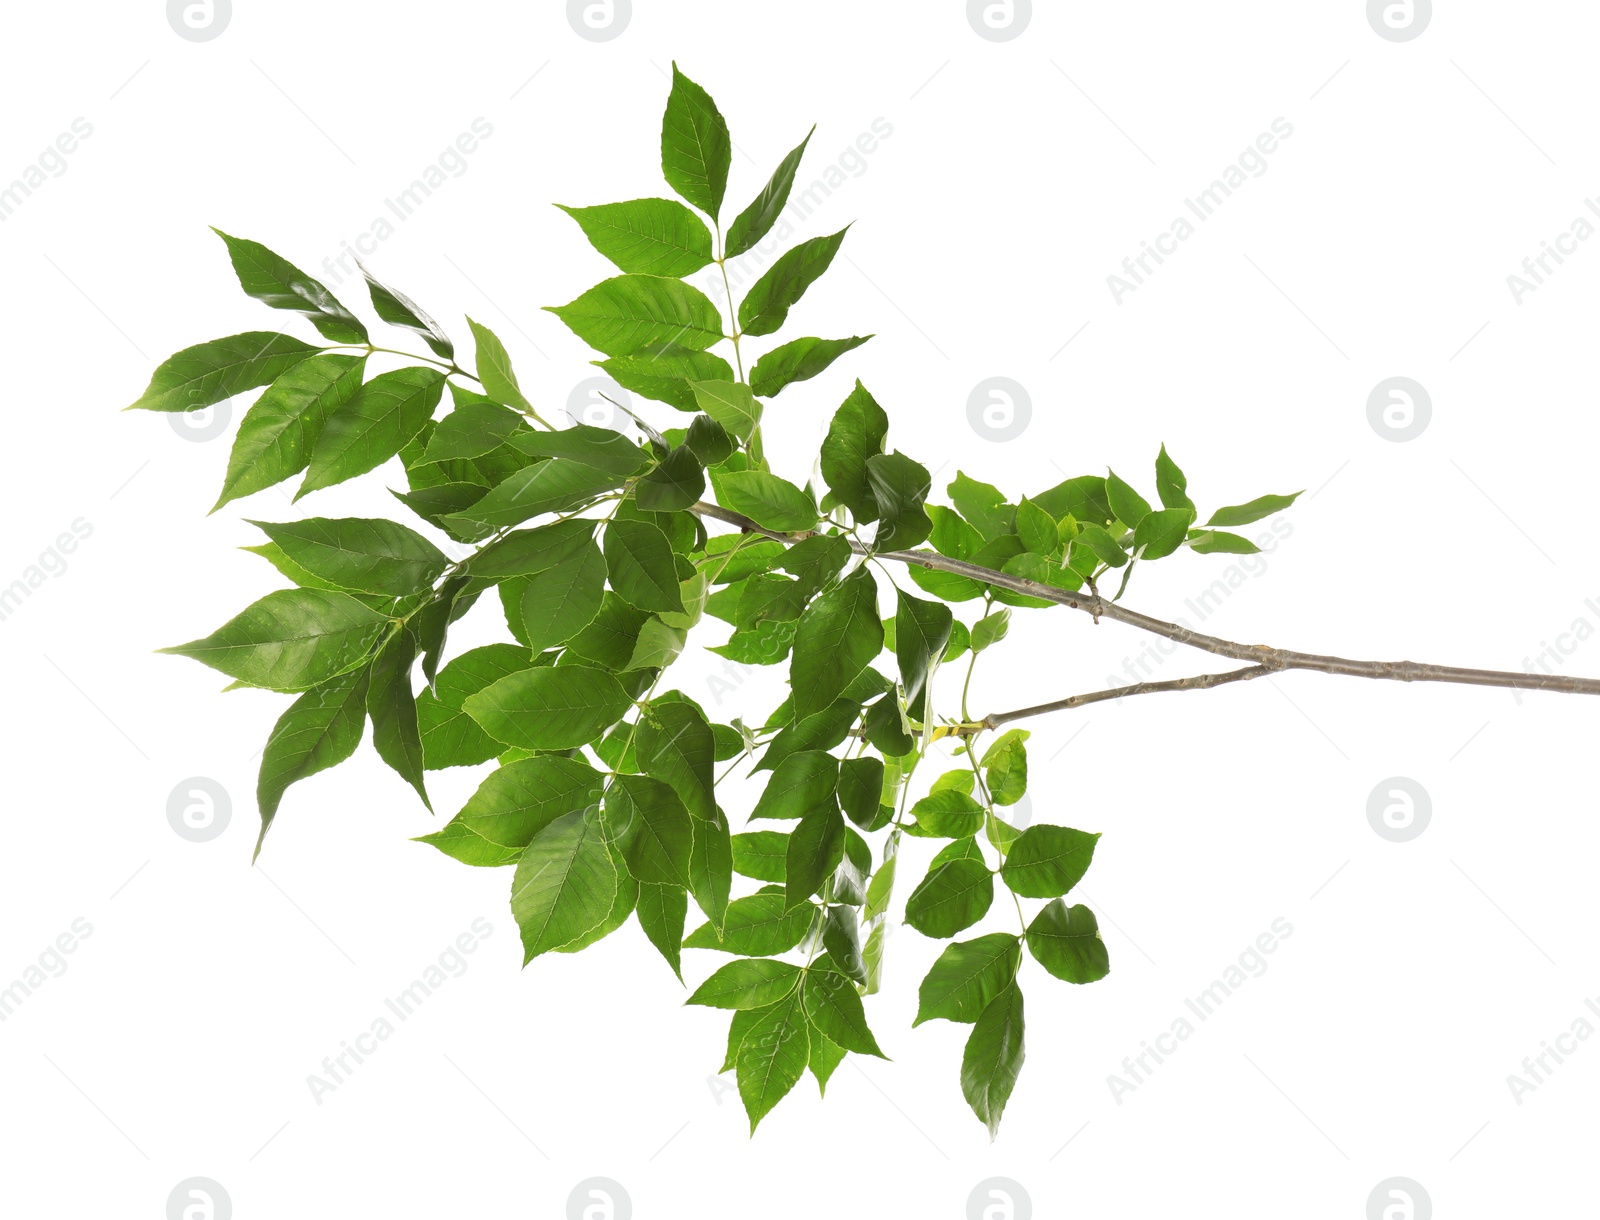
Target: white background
point(1377, 243)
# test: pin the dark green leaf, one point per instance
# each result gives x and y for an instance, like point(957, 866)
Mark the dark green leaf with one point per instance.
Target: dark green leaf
point(885, 728)
point(676, 484)
point(900, 487)
point(279, 283)
point(1066, 942)
point(647, 823)
point(843, 943)
point(839, 635)
point(760, 854)
point(822, 731)
point(676, 746)
point(856, 434)
point(731, 404)
point(556, 486)
point(290, 640)
point(711, 867)
point(834, 1007)
point(711, 443)
point(642, 568)
point(799, 784)
point(360, 555)
point(770, 298)
point(565, 884)
point(752, 224)
point(993, 1057)
point(1171, 484)
point(613, 635)
point(646, 236)
point(967, 977)
point(319, 730)
point(757, 926)
point(393, 708)
point(860, 784)
point(766, 499)
point(205, 374)
point(983, 505)
point(397, 309)
point(1046, 861)
point(519, 799)
point(922, 632)
point(816, 846)
point(477, 426)
point(951, 897)
point(772, 1057)
point(563, 600)
point(602, 448)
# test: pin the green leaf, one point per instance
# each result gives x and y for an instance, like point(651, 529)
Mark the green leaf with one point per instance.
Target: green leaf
point(947, 814)
point(921, 634)
point(1171, 484)
point(205, 374)
point(816, 846)
point(1162, 532)
point(666, 371)
point(838, 636)
point(602, 448)
point(951, 897)
point(564, 599)
point(519, 799)
point(556, 486)
point(885, 728)
point(393, 708)
point(320, 729)
point(622, 905)
point(991, 628)
point(729, 403)
point(967, 977)
point(397, 309)
point(460, 843)
point(1066, 942)
point(676, 484)
point(565, 884)
point(1046, 861)
point(1105, 548)
point(772, 1058)
point(279, 432)
point(993, 1057)
point(647, 823)
point(766, 499)
point(833, 1006)
point(646, 236)
point(1037, 529)
point(477, 426)
point(843, 943)
point(695, 147)
point(1254, 510)
point(983, 505)
point(856, 434)
point(676, 746)
point(757, 926)
point(290, 640)
point(711, 443)
point(770, 298)
point(754, 223)
point(860, 784)
point(798, 360)
point(549, 709)
point(659, 645)
point(279, 283)
point(880, 890)
point(749, 983)
point(1129, 506)
point(611, 638)
point(760, 854)
point(1006, 767)
point(493, 362)
point(1083, 498)
point(799, 784)
point(629, 313)
point(533, 551)
point(820, 732)
point(826, 1056)
point(662, 910)
point(900, 487)
point(641, 564)
point(360, 555)
point(450, 737)
point(1220, 542)
point(711, 867)
point(373, 425)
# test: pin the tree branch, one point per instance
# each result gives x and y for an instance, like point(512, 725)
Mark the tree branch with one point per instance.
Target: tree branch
point(1199, 682)
point(1257, 654)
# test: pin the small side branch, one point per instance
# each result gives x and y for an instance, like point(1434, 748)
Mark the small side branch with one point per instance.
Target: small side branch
point(1199, 682)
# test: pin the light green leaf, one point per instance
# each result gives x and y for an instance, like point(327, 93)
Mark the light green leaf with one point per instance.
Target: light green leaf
point(947, 814)
point(646, 236)
point(1006, 767)
point(711, 867)
point(556, 486)
point(628, 313)
point(750, 983)
point(1129, 506)
point(602, 448)
point(498, 378)
point(766, 499)
point(360, 555)
point(676, 746)
point(564, 599)
point(1037, 529)
point(1171, 484)
point(642, 568)
point(662, 910)
point(760, 854)
point(729, 403)
point(549, 709)
point(279, 432)
point(666, 371)
point(477, 426)
point(450, 737)
point(1254, 510)
point(1162, 532)
point(834, 1006)
point(373, 425)
point(1220, 542)
point(757, 926)
point(695, 147)
point(991, 628)
point(772, 1058)
point(517, 800)
point(647, 823)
